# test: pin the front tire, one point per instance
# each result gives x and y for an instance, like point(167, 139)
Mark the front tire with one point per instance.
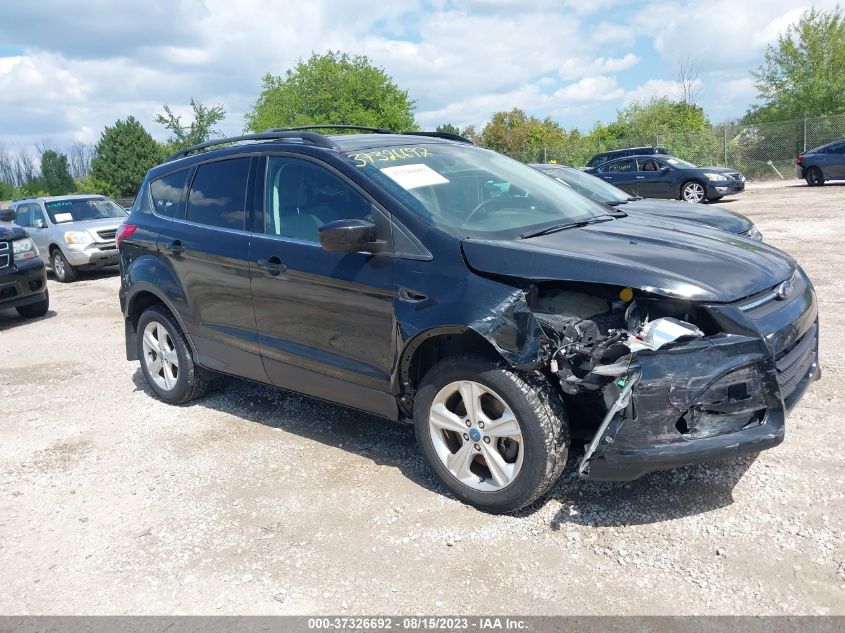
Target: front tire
point(166, 359)
point(814, 177)
point(35, 310)
point(693, 191)
point(495, 438)
point(62, 269)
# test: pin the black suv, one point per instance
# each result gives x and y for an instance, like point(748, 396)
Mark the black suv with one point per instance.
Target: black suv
point(600, 159)
point(23, 278)
point(418, 277)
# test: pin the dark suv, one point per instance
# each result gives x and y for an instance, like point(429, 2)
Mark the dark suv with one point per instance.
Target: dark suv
point(418, 277)
point(23, 278)
point(600, 159)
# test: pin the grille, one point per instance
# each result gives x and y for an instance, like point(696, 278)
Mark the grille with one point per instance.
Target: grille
point(4, 254)
point(107, 235)
point(794, 363)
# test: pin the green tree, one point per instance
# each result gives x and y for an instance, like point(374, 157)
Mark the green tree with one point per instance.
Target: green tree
point(802, 73)
point(55, 173)
point(200, 129)
point(449, 128)
point(332, 88)
point(521, 136)
point(123, 156)
point(89, 184)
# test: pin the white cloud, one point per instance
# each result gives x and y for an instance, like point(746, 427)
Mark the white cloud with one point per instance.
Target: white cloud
point(583, 67)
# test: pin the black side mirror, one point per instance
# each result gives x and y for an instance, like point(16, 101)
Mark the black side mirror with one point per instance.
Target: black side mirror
point(7, 215)
point(349, 236)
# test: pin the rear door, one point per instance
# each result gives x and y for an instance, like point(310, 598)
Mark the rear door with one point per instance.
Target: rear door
point(621, 173)
point(325, 320)
point(205, 271)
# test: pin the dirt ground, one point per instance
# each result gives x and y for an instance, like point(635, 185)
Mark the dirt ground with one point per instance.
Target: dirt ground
point(255, 500)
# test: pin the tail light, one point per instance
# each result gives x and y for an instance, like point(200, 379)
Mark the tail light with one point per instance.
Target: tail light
point(799, 159)
point(124, 231)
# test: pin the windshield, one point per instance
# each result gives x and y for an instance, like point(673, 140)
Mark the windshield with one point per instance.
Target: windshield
point(586, 184)
point(472, 192)
point(680, 164)
point(81, 209)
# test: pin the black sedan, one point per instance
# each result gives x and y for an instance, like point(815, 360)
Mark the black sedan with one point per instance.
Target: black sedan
point(660, 176)
point(600, 191)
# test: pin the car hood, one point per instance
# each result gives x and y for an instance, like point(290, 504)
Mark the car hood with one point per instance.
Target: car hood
point(9, 233)
point(91, 225)
point(678, 262)
point(715, 217)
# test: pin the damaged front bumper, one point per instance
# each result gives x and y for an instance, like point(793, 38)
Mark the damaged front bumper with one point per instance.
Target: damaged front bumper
point(711, 398)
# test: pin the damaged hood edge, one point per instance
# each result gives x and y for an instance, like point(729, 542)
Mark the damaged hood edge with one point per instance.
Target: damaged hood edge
point(663, 262)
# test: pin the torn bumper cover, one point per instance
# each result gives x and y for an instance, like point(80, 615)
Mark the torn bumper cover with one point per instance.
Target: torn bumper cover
point(709, 398)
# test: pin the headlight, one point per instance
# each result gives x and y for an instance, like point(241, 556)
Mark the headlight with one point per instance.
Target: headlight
point(754, 233)
point(24, 249)
point(78, 237)
point(712, 176)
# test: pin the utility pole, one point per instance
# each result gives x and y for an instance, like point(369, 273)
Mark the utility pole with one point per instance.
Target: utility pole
point(805, 132)
point(725, 128)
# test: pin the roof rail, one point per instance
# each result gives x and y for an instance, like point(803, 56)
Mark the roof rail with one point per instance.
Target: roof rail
point(376, 130)
point(448, 135)
point(271, 135)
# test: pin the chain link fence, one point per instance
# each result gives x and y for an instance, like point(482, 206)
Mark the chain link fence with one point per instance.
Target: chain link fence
point(762, 151)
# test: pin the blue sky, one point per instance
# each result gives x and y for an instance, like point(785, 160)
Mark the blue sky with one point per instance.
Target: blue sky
point(66, 74)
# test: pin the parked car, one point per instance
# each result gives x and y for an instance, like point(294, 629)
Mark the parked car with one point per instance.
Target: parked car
point(418, 277)
point(72, 233)
point(670, 177)
point(600, 159)
point(603, 192)
point(822, 163)
point(23, 280)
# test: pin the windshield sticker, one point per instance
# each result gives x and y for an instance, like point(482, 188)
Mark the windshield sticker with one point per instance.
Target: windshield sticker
point(412, 176)
point(63, 217)
point(62, 203)
point(362, 159)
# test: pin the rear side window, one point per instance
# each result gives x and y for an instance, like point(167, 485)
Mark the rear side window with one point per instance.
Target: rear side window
point(218, 194)
point(167, 193)
point(622, 165)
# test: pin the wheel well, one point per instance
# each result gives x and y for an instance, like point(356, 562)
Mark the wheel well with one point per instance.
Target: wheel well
point(439, 345)
point(53, 248)
point(141, 302)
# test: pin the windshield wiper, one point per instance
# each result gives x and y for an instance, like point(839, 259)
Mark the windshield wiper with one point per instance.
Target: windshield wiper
point(562, 227)
point(616, 203)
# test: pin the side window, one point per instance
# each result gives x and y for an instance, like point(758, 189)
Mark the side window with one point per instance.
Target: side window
point(837, 148)
point(37, 214)
point(218, 194)
point(649, 164)
point(23, 216)
point(167, 193)
point(301, 196)
point(622, 165)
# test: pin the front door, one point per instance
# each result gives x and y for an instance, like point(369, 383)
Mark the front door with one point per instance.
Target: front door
point(651, 182)
point(325, 320)
point(28, 216)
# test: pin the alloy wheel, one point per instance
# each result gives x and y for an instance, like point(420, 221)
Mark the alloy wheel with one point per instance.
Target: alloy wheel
point(59, 266)
point(160, 356)
point(693, 192)
point(476, 436)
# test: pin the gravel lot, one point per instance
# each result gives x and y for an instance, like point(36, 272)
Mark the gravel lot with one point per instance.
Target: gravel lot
point(255, 500)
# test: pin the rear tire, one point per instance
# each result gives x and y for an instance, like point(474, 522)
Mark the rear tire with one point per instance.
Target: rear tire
point(521, 416)
point(35, 310)
point(814, 177)
point(693, 191)
point(166, 360)
point(62, 269)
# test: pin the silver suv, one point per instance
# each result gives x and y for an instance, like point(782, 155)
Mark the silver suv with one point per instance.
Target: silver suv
point(72, 232)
